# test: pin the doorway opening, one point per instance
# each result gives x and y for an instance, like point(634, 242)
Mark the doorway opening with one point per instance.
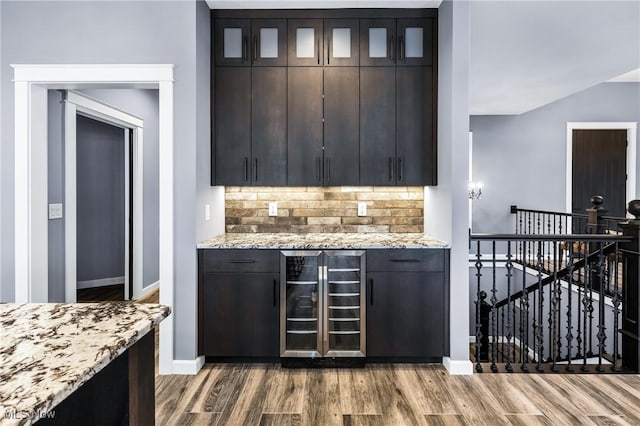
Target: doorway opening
point(601, 160)
point(103, 197)
point(104, 209)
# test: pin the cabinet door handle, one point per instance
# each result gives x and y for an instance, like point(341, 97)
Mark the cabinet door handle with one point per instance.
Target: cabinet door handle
point(318, 51)
point(245, 49)
point(246, 169)
point(319, 176)
point(390, 169)
point(328, 51)
point(393, 48)
point(400, 169)
point(371, 291)
point(275, 290)
point(255, 170)
point(401, 48)
point(255, 48)
point(241, 261)
point(405, 260)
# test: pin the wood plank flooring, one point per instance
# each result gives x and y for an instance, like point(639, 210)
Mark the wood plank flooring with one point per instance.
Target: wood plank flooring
point(392, 394)
point(109, 293)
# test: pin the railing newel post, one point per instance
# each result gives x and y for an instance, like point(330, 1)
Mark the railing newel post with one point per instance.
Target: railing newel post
point(631, 284)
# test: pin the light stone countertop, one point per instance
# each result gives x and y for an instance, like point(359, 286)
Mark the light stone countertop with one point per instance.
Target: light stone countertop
point(338, 241)
point(48, 350)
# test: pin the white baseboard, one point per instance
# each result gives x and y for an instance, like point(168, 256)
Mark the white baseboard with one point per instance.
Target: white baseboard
point(148, 289)
point(187, 366)
point(100, 283)
point(457, 367)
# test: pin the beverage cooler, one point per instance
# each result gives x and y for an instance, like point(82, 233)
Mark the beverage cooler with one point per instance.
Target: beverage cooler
point(322, 304)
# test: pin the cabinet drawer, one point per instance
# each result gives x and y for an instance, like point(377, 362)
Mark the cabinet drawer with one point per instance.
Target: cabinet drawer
point(406, 260)
point(240, 260)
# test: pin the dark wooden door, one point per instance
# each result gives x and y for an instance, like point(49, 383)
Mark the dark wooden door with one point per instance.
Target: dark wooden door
point(231, 42)
point(415, 41)
point(269, 42)
point(341, 128)
point(304, 146)
point(241, 314)
point(377, 125)
point(415, 141)
point(305, 42)
point(232, 125)
point(599, 167)
point(405, 314)
point(269, 126)
point(341, 41)
point(378, 44)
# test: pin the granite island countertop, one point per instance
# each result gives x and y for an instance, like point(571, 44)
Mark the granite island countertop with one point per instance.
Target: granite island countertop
point(48, 350)
point(321, 241)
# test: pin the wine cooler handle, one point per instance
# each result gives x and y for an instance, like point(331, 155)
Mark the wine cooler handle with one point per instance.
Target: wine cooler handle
point(246, 169)
point(275, 290)
point(371, 291)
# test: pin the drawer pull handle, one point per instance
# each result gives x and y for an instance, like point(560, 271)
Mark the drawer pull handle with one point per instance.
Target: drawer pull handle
point(241, 261)
point(406, 260)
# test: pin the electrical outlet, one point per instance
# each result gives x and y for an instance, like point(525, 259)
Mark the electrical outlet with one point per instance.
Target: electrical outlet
point(362, 208)
point(273, 208)
point(207, 212)
point(55, 211)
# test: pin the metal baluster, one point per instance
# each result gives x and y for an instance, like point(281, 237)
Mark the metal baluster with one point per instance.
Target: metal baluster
point(538, 326)
point(585, 311)
point(478, 324)
point(569, 308)
point(580, 285)
point(557, 265)
point(601, 325)
point(616, 309)
point(494, 317)
point(510, 311)
point(524, 323)
point(553, 313)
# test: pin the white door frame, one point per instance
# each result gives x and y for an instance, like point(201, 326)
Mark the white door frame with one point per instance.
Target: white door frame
point(78, 103)
point(631, 128)
point(30, 173)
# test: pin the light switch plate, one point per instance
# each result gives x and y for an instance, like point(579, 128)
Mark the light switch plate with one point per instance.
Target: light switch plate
point(273, 208)
point(362, 208)
point(207, 212)
point(55, 211)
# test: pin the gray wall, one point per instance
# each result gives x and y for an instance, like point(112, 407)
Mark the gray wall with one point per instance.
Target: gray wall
point(522, 159)
point(162, 32)
point(55, 178)
point(100, 200)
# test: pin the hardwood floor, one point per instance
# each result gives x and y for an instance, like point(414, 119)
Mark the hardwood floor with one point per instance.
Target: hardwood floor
point(391, 394)
point(109, 293)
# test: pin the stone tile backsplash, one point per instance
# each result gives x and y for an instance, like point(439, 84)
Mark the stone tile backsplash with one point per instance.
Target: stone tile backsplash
point(324, 209)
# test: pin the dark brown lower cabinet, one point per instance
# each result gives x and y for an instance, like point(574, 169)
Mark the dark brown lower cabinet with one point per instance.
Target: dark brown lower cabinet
point(240, 317)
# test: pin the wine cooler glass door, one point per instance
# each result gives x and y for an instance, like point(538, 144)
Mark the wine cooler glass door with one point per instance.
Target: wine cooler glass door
point(301, 304)
point(344, 325)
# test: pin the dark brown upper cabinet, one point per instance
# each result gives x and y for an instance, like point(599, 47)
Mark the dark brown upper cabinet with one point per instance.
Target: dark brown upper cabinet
point(415, 41)
point(269, 42)
point(231, 42)
point(246, 42)
point(305, 42)
point(341, 40)
point(377, 42)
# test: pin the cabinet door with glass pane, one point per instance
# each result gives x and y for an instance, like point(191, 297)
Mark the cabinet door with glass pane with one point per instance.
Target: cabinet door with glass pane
point(378, 45)
point(341, 41)
point(301, 304)
point(305, 42)
point(345, 297)
point(269, 42)
point(415, 41)
point(231, 42)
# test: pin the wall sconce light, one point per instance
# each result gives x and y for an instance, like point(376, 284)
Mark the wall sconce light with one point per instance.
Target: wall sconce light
point(475, 190)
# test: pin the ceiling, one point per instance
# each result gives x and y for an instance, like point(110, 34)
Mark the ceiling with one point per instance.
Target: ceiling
point(524, 53)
